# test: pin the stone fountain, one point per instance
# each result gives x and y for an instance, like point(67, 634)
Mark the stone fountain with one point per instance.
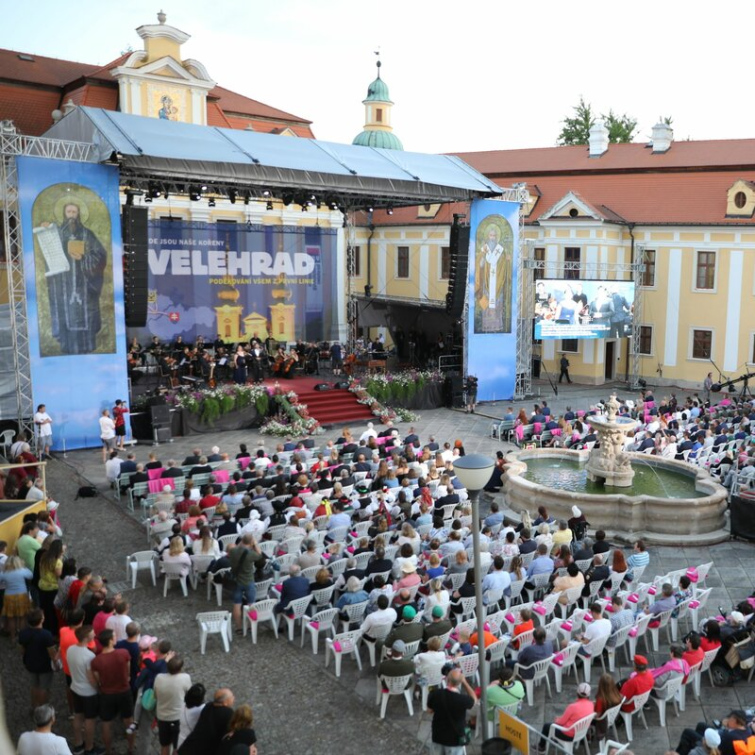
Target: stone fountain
point(608, 463)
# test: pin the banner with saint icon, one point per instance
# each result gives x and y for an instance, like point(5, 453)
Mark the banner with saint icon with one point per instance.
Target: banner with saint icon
point(74, 292)
point(492, 285)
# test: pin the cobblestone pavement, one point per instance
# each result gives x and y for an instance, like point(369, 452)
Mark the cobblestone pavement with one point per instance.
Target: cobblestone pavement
point(300, 707)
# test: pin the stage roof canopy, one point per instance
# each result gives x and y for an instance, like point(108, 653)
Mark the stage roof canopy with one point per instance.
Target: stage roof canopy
point(150, 149)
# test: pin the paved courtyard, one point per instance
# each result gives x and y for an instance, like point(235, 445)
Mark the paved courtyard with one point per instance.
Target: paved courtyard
point(300, 707)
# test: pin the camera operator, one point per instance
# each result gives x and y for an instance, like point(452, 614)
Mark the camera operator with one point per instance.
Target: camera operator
point(735, 728)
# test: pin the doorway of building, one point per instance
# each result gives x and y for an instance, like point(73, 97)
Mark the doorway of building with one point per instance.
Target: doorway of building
point(610, 360)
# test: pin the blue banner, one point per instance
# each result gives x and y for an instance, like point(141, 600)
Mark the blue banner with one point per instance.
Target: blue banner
point(492, 313)
point(74, 293)
point(240, 281)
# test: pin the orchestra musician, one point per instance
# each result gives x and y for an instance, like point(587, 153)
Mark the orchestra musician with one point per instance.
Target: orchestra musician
point(289, 365)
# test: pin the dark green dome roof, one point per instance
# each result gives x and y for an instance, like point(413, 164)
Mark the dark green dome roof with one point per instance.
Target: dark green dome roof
point(381, 139)
point(378, 91)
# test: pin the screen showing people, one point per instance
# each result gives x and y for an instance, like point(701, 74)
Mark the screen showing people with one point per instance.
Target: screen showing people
point(583, 308)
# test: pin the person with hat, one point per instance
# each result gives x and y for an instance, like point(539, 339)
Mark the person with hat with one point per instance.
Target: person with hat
point(408, 630)
point(395, 664)
point(639, 682)
point(42, 741)
point(439, 625)
point(735, 737)
point(409, 576)
point(576, 711)
point(503, 691)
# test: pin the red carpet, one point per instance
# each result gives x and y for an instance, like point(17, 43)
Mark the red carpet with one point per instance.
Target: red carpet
point(336, 406)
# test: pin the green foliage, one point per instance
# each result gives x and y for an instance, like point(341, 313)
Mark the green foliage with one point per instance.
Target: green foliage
point(262, 404)
point(576, 129)
point(227, 404)
point(210, 410)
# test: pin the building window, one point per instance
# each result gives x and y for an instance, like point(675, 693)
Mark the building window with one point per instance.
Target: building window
point(356, 261)
point(648, 276)
point(572, 257)
point(645, 346)
point(570, 345)
point(226, 220)
point(740, 200)
point(706, 271)
point(379, 114)
point(402, 262)
point(702, 344)
point(445, 263)
point(539, 272)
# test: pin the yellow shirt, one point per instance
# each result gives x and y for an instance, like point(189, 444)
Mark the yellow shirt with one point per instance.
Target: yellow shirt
point(48, 580)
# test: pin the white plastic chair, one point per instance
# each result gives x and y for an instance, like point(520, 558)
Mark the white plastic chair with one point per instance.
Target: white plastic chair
point(379, 633)
point(217, 586)
point(572, 595)
point(433, 678)
point(641, 627)
point(619, 637)
point(215, 622)
point(469, 666)
point(496, 651)
point(354, 612)
point(639, 703)
point(199, 565)
point(697, 605)
point(681, 697)
point(544, 608)
point(322, 621)
point(664, 617)
point(682, 612)
point(594, 649)
point(708, 658)
point(293, 612)
point(580, 729)
point(322, 598)
point(568, 659)
point(609, 716)
point(394, 685)
point(515, 592)
point(255, 614)
point(174, 573)
point(341, 644)
point(141, 561)
point(540, 669)
point(702, 575)
point(666, 692)
point(467, 608)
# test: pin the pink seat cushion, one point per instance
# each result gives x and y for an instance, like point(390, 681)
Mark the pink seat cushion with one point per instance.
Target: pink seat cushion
point(155, 474)
point(156, 486)
point(221, 475)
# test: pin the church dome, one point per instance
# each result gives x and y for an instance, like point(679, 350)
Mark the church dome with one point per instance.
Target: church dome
point(378, 91)
point(381, 139)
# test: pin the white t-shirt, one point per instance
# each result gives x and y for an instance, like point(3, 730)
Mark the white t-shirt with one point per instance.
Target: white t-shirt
point(189, 718)
point(79, 662)
point(107, 428)
point(170, 690)
point(599, 628)
point(42, 743)
point(46, 428)
point(118, 624)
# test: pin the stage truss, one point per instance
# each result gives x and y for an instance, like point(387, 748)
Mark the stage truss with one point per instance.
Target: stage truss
point(13, 145)
point(525, 336)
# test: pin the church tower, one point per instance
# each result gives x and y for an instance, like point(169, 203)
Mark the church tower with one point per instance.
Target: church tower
point(378, 131)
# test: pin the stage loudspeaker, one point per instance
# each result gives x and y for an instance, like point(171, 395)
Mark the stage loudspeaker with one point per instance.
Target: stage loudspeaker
point(457, 281)
point(160, 415)
point(453, 390)
point(134, 229)
point(323, 387)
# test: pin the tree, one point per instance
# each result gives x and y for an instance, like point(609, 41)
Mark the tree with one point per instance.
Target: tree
point(576, 130)
point(621, 128)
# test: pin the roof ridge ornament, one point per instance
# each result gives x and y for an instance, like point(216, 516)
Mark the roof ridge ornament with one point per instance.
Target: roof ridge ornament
point(161, 17)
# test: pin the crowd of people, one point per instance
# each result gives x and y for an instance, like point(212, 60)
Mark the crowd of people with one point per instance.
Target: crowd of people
point(376, 526)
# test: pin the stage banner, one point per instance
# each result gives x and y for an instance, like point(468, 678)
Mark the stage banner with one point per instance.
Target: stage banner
point(492, 312)
point(70, 219)
point(240, 281)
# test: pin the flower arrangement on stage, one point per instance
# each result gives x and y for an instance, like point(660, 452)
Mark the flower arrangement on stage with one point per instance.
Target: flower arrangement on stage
point(293, 418)
point(384, 413)
point(399, 386)
point(211, 403)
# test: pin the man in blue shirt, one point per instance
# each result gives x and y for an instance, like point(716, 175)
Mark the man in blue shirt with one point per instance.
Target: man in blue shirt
point(541, 564)
point(495, 516)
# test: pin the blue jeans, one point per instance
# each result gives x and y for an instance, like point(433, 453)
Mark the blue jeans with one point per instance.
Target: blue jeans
point(244, 594)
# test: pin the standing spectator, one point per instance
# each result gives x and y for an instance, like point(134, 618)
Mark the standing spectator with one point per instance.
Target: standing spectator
point(190, 712)
point(131, 645)
point(243, 558)
point(40, 650)
point(449, 707)
point(119, 620)
point(85, 699)
point(170, 690)
point(212, 726)
point(27, 545)
point(112, 673)
point(120, 410)
point(107, 434)
point(240, 736)
point(564, 369)
point(43, 428)
point(42, 741)
point(50, 569)
point(707, 385)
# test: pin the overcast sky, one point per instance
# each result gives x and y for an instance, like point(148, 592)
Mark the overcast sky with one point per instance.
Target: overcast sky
point(464, 76)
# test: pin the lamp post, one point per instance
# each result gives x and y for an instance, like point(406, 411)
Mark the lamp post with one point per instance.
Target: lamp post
point(474, 472)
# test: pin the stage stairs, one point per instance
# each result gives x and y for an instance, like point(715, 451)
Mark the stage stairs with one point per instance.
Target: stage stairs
point(336, 407)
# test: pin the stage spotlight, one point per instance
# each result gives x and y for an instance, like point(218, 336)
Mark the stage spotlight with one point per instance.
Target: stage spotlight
point(165, 194)
point(266, 193)
point(204, 187)
point(287, 197)
point(232, 194)
point(370, 208)
point(246, 197)
point(716, 388)
point(148, 199)
point(195, 193)
point(389, 209)
point(269, 205)
point(211, 202)
point(642, 383)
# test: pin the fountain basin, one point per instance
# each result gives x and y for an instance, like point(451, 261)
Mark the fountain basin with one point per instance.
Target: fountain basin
point(685, 506)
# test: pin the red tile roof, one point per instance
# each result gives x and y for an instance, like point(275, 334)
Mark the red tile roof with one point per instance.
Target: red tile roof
point(41, 70)
point(232, 102)
point(28, 107)
point(682, 155)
